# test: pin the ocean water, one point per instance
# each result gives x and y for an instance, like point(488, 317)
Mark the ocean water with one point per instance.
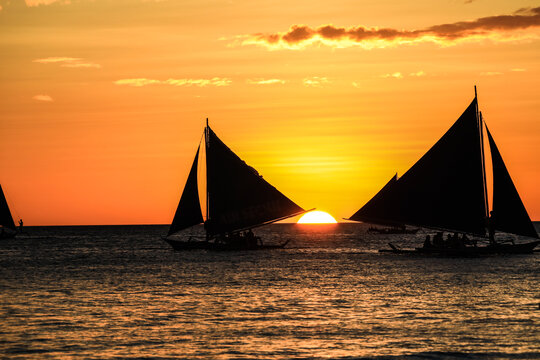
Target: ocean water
point(107, 292)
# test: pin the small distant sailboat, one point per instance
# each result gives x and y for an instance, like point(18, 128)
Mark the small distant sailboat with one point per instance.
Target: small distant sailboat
point(237, 200)
point(446, 190)
point(8, 229)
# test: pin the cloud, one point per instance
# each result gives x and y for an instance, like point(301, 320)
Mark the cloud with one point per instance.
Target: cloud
point(216, 81)
point(490, 73)
point(31, 3)
point(70, 62)
point(265, 81)
point(315, 81)
point(42, 98)
point(496, 28)
point(57, 59)
point(518, 70)
point(396, 75)
point(138, 82)
point(81, 65)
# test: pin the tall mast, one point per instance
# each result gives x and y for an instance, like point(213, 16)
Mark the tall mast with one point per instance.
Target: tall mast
point(207, 142)
point(481, 133)
point(207, 145)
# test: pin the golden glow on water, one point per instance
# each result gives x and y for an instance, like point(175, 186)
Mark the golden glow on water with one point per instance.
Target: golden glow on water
point(317, 217)
point(121, 293)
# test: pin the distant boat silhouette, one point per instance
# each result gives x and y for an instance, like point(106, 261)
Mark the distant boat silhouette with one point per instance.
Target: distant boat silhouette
point(237, 200)
point(8, 229)
point(446, 190)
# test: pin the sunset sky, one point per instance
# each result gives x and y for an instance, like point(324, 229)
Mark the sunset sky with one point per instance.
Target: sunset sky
point(103, 102)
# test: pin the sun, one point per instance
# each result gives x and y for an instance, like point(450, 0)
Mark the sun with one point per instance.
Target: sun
point(317, 217)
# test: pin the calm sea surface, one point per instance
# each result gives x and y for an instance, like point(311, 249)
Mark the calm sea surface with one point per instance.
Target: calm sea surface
point(121, 292)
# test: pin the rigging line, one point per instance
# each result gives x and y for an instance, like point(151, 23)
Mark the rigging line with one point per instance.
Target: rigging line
point(480, 127)
point(274, 220)
point(483, 152)
point(207, 146)
point(199, 169)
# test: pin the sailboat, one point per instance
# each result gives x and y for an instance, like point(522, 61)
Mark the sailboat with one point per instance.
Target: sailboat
point(446, 191)
point(8, 229)
point(238, 199)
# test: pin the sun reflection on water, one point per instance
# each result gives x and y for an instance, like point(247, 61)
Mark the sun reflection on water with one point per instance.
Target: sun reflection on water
point(326, 296)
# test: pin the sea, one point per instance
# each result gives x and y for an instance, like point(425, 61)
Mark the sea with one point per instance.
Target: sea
point(121, 292)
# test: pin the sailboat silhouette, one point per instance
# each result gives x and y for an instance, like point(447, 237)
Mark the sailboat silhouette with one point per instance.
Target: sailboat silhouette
point(237, 200)
point(446, 190)
point(8, 229)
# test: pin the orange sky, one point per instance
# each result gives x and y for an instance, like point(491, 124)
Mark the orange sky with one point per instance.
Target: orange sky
point(103, 101)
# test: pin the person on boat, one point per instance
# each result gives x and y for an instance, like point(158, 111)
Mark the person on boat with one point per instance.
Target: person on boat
point(491, 227)
point(459, 243)
point(427, 242)
point(466, 241)
point(448, 241)
point(20, 225)
point(250, 238)
point(438, 240)
point(456, 241)
point(208, 224)
point(224, 238)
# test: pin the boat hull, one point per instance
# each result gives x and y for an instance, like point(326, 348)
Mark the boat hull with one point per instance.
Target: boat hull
point(526, 248)
point(244, 247)
point(220, 246)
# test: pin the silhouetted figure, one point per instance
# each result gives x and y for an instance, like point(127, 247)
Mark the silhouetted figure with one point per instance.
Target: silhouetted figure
point(455, 242)
point(438, 240)
point(466, 241)
point(20, 225)
point(208, 224)
point(491, 227)
point(250, 239)
point(427, 242)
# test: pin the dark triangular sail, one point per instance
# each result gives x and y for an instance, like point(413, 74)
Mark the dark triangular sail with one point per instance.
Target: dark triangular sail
point(374, 210)
point(445, 188)
point(188, 212)
point(6, 219)
point(238, 197)
point(509, 213)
